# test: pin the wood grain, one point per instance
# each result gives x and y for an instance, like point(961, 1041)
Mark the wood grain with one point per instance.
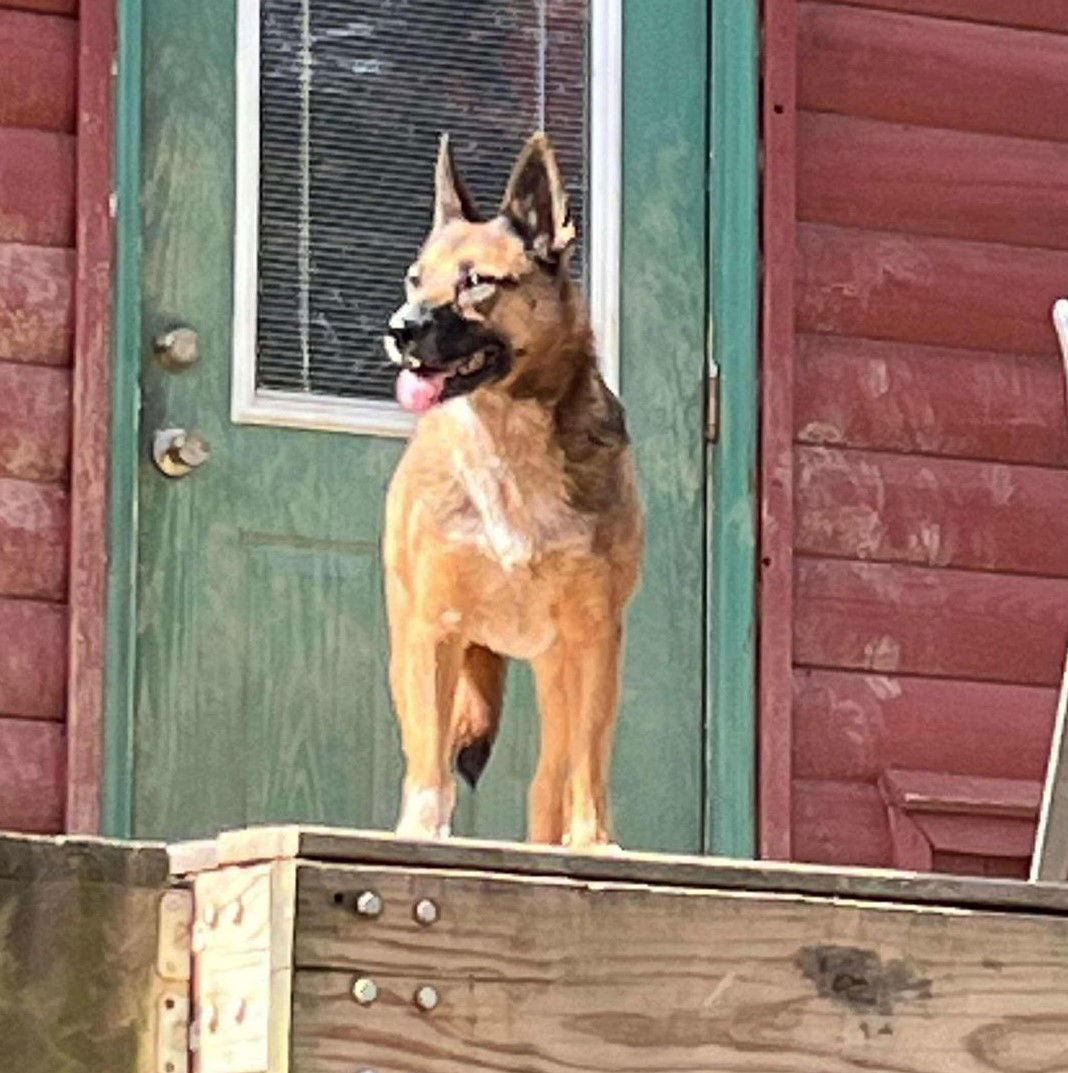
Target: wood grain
point(930, 400)
point(915, 289)
point(890, 177)
point(36, 187)
point(911, 620)
point(33, 539)
point(78, 982)
point(725, 982)
point(33, 658)
point(932, 511)
point(90, 424)
point(777, 404)
point(329, 848)
point(34, 422)
point(910, 69)
point(37, 70)
point(36, 298)
point(31, 776)
point(853, 726)
point(1034, 14)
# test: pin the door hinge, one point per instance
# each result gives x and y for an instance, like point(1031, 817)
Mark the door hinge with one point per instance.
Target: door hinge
point(174, 969)
point(712, 403)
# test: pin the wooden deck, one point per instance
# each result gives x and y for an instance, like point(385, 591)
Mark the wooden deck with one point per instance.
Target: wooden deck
point(323, 951)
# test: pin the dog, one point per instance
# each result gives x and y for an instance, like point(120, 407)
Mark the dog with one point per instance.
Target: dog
point(513, 524)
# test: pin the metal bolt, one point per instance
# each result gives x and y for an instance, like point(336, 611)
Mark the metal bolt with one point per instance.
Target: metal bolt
point(365, 991)
point(426, 912)
point(426, 998)
point(369, 903)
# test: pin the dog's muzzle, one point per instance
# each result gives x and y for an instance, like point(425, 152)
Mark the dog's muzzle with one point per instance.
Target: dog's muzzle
point(435, 337)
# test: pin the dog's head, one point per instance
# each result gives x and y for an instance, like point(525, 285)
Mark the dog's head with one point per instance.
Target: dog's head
point(485, 298)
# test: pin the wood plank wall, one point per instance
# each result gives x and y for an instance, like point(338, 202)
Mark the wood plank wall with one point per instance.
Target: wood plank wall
point(38, 81)
point(929, 508)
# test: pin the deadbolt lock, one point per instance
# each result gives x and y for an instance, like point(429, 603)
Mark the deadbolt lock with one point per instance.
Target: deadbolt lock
point(177, 452)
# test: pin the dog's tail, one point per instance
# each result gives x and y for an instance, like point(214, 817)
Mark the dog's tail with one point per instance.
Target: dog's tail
point(476, 712)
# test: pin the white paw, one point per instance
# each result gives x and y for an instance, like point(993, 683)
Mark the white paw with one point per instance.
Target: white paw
point(426, 814)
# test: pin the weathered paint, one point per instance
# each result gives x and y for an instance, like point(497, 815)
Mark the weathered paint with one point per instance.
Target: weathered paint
point(33, 658)
point(90, 426)
point(928, 591)
point(123, 457)
point(36, 187)
point(32, 762)
point(36, 304)
point(775, 657)
point(38, 268)
point(34, 422)
point(731, 476)
point(38, 62)
point(33, 539)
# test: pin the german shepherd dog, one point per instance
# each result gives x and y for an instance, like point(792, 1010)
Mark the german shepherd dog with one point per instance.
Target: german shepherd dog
point(513, 523)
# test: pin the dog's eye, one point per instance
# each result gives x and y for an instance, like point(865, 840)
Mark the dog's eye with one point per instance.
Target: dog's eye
point(413, 278)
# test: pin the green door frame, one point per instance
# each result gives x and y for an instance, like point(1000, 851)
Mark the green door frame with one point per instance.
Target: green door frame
point(734, 289)
point(121, 625)
point(730, 467)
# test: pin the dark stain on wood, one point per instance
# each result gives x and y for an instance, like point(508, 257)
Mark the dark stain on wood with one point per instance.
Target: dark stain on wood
point(859, 979)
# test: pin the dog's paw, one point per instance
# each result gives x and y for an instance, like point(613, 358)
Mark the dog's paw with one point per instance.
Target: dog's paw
point(591, 846)
point(425, 815)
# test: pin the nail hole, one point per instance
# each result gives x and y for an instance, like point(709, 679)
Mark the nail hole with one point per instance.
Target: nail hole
point(169, 1003)
point(339, 898)
point(766, 561)
point(778, 109)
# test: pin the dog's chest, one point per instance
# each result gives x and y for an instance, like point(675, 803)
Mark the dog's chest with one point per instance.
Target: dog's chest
point(513, 505)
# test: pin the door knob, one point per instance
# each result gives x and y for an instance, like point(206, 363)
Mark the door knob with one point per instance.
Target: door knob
point(177, 452)
point(176, 349)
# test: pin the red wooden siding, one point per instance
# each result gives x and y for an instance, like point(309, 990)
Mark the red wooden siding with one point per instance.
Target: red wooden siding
point(54, 249)
point(1032, 14)
point(926, 524)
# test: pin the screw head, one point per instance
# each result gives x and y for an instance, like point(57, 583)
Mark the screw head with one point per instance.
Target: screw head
point(369, 903)
point(426, 998)
point(426, 912)
point(365, 990)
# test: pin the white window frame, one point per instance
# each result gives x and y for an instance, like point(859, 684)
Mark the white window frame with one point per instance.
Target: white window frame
point(250, 405)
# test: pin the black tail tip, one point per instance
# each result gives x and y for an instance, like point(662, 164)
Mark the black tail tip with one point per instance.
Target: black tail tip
point(471, 760)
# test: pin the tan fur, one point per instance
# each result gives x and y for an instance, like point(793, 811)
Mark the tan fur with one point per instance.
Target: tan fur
point(513, 529)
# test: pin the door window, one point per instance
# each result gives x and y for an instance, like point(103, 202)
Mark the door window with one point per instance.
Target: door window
point(340, 106)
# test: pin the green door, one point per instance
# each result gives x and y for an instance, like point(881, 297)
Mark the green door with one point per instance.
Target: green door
point(256, 632)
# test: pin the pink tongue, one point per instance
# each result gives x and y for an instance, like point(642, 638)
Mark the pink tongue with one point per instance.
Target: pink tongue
point(419, 393)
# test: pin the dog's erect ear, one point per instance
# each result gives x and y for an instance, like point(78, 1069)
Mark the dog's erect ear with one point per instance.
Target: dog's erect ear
point(536, 203)
point(451, 199)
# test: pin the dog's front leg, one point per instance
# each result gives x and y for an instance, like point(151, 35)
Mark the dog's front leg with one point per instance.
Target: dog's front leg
point(592, 724)
point(426, 676)
point(547, 810)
